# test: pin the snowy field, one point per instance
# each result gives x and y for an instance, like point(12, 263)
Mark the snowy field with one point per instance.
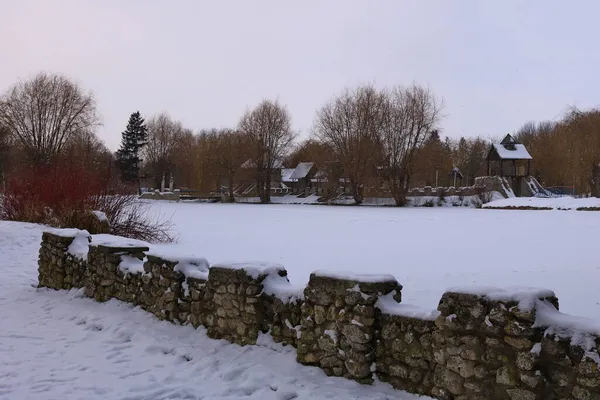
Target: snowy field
point(58, 345)
point(427, 249)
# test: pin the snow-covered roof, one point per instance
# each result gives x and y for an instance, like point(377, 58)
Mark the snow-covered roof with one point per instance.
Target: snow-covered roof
point(286, 173)
point(517, 152)
point(302, 170)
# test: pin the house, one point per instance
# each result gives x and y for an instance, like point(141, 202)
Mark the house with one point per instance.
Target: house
point(247, 179)
point(511, 162)
point(302, 175)
point(508, 159)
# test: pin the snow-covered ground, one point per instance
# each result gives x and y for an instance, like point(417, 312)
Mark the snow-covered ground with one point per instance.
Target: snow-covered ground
point(557, 203)
point(426, 249)
point(59, 345)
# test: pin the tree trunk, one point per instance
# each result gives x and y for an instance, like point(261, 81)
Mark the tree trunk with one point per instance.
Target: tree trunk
point(356, 193)
point(231, 192)
point(399, 189)
point(595, 181)
point(267, 192)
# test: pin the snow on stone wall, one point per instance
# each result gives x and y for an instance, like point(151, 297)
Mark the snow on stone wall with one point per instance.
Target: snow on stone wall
point(481, 343)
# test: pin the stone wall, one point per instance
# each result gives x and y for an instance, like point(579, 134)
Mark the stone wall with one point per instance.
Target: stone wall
point(57, 267)
point(464, 191)
point(479, 344)
point(339, 333)
point(106, 279)
point(405, 353)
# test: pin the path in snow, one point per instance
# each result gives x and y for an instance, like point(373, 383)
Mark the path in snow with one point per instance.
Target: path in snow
point(59, 345)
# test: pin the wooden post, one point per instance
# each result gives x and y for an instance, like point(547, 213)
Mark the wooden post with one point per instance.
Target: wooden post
point(528, 167)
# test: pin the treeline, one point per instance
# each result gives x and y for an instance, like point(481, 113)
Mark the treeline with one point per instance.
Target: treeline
point(375, 141)
point(565, 153)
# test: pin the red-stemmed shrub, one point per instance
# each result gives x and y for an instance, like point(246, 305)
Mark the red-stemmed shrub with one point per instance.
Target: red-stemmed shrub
point(64, 194)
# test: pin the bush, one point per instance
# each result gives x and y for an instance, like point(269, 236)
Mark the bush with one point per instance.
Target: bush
point(130, 217)
point(63, 195)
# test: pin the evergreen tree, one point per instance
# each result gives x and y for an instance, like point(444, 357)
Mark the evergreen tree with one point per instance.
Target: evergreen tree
point(128, 156)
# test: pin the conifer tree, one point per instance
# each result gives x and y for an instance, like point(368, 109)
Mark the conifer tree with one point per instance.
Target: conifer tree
point(128, 156)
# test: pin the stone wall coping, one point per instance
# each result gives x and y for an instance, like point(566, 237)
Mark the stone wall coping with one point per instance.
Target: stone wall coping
point(107, 241)
point(254, 269)
point(66, 232)
point(190, 266)
point(525, 296)
point(354, 277)
point(119, 249)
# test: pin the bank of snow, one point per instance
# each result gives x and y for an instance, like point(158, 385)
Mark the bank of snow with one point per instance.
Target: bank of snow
point(554, 203)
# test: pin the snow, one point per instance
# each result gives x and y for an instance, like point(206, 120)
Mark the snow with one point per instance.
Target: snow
point(557, 203)
point(281, 288)
point(519, 153)
point(332, 335)
point(525, 296)
point(67, 232)
point(565, 325)
point(580, 331)
point(196, 268)
point(80, 245)
point(58, 344)
point(353, 276)
point(426, 249)
point(61, 345)
point(190, 265)
point(131, 265)
point(100, 215)
point(388, 305)
point(253, 269)
point(116, 241)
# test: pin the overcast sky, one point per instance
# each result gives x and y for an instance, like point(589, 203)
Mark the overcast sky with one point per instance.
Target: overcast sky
point(496, 65)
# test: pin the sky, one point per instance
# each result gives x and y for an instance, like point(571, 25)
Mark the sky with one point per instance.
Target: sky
point(495, 65)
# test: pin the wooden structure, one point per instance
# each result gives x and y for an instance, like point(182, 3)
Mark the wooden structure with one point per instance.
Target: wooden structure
point(508, 159)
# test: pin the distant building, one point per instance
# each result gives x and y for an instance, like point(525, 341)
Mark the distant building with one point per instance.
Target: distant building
point(302, 176)
point(510, 162)
point(508, 159)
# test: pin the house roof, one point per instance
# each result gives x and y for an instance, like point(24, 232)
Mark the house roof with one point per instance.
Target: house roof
point(302, 170)
point(517, 152)
point(510, 149)
point(286, 173)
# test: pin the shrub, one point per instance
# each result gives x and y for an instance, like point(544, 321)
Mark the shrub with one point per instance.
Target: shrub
point(63, 195)
point(130, 217)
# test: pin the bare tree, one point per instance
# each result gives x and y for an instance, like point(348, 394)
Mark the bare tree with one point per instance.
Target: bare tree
point(410, 114)
point(349, 126)
point(164, 136)
point(269, 130)
point(43, 114)
point(231, 152)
